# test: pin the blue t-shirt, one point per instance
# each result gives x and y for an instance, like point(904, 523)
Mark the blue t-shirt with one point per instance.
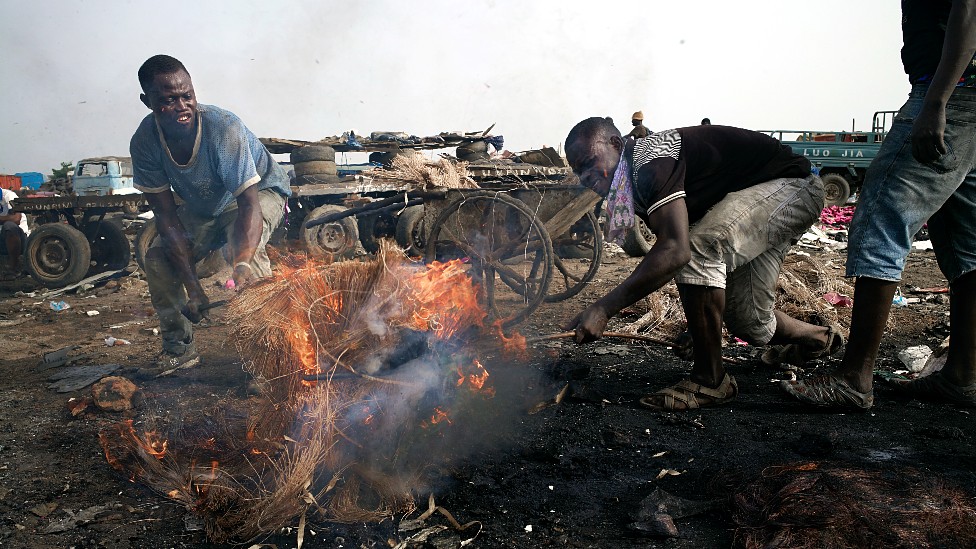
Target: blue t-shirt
point(227, 159)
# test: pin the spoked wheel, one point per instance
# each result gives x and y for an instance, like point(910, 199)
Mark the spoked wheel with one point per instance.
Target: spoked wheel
point(577, 255)
point(505, 247)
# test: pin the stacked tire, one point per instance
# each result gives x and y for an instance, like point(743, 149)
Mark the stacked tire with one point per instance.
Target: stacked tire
point(314, 160)
point(474, 151)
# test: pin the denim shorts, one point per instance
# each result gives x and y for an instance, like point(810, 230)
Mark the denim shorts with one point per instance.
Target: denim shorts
point(900, 194)
point(740, 245)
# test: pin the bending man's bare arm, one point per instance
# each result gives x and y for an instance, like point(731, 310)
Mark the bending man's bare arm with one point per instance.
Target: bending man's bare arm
point(671, 252)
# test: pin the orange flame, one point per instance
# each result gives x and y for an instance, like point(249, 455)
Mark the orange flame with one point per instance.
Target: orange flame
point(439, 416)
point(445, 299)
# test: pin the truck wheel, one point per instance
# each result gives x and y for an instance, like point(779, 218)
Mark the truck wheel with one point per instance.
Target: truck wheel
point(836, 189)
point(410, 231)
point(206, 267)
point(374, 227)
point(337, 239)
point(315, 167)
point(311, 153)
point(109, 246)
point(638, 240)
point(57, 255)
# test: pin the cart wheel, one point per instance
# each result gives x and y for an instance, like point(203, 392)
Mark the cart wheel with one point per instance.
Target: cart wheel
point(638, 240)
point(57, 255)
point(505, 247)
point(109, 246)
point(577, 255)
point(206, 267)
point(337, 239)
point(410, 231)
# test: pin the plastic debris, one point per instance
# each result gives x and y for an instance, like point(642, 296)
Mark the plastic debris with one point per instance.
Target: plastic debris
point(112, 341)
point(915, 358)
point(230, 284)
point(91, 313)
point(922, 245)
point(59, 306)
point(899, 301)
point(838, 299)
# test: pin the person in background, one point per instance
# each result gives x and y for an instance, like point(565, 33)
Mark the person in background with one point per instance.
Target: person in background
point(725, 205)
point(233, 192)
point(706, 122)
point(925, 170)
point(640, 130)
point(13, 235)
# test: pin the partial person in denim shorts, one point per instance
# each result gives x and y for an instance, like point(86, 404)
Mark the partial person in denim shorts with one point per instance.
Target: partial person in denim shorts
point(725, 204)
point(233, 191)
point(925, 171)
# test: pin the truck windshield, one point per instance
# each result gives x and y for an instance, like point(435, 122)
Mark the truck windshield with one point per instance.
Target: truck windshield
point(92, 170)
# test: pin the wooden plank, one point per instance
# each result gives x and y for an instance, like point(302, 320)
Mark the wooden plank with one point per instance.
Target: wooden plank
point(571, 212)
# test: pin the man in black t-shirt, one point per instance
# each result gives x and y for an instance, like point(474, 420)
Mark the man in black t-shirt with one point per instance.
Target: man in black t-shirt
point(725, 204)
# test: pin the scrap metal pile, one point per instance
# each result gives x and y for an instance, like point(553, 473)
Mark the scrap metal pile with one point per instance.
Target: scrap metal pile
point(369, 368)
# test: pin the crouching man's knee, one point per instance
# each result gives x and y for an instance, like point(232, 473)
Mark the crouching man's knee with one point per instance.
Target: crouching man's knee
point(753, 331)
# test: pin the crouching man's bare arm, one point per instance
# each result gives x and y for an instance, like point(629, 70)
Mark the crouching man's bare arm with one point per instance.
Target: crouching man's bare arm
point(671, 252)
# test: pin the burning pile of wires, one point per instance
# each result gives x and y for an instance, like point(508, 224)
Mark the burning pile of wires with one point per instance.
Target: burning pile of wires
point(365, 364)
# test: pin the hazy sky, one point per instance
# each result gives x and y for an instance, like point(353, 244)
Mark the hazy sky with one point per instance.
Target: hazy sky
point(310, 69)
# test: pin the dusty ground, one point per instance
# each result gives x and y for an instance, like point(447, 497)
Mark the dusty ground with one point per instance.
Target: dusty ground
point(572, 474)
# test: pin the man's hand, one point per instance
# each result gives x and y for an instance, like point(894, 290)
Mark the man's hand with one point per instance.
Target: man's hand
point(589, 325)
point(928, 143)
point(195, 307)
point(242, 274)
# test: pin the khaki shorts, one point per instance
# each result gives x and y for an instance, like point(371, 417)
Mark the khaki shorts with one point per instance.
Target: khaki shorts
point(211, 233)
point(740, 245)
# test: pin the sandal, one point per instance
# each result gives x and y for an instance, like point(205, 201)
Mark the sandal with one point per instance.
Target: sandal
point(691, 395)
point(799, 355)
point(828, 392)
point(937, 388)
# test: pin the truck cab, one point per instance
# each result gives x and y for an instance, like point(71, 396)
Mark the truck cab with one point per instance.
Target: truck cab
point(103, 176)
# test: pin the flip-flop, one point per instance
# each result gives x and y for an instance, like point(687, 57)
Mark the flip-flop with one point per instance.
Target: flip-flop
point(687, 392)
point(799, 355)
point(937, 388)
point(829, 392)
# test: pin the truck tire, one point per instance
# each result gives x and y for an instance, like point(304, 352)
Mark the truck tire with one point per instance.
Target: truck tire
point(836, 189)
point(374, 227)
point(638, 240)
point(410, 231)
point(475, 151)
point(57, 255)
point(315, 167)
point(338, 239)
point(311, 153)
point(109, 246)
point(206, 267)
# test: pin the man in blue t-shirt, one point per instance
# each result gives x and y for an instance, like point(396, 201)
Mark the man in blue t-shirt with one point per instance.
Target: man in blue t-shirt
point(231, 190)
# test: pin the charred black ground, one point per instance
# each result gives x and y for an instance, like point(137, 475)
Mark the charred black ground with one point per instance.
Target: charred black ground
point(571, 474)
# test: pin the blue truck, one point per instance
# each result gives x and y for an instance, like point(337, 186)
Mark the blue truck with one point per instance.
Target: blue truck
point(840, 157)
